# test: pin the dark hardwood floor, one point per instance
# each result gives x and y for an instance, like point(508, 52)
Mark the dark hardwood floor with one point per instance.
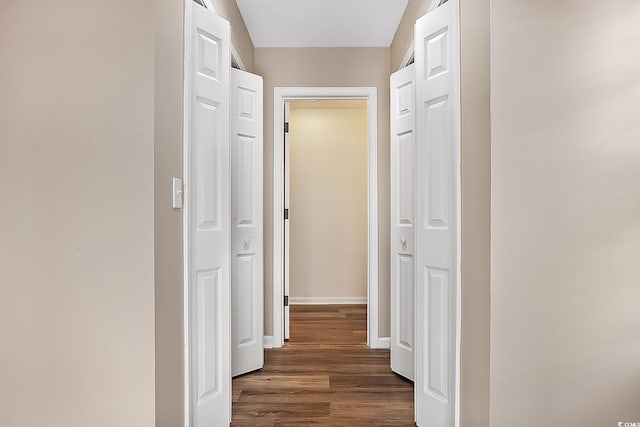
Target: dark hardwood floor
point(324, 375)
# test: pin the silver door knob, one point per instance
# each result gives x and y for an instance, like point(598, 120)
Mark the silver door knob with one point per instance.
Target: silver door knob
point(247, 242)
point(403, 242)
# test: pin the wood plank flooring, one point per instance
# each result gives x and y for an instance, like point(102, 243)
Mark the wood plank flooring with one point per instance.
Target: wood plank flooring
point(325, 375)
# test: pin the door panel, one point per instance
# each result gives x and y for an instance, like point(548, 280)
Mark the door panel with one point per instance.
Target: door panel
point(402, 221)
point(246, 223)
point(208, 219)
point(406, 299)
point(437, 153)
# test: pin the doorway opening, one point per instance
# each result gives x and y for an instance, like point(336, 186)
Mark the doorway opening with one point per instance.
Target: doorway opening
point(325, 233)
point(282, 96)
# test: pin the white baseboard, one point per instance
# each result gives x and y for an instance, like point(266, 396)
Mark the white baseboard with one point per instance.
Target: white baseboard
point(382, 342)
point(326, 300)
point(267, 341)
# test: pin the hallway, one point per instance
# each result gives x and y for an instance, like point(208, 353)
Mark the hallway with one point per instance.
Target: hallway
point(324, 375)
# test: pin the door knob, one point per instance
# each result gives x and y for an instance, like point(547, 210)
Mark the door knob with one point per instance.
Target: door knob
point(247, 242)
point(403, 242)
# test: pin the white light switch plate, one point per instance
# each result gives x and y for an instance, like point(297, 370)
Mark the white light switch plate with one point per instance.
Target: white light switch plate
point(177, 193)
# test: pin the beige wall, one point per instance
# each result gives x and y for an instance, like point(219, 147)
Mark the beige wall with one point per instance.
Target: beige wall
point(169, 46)
point(328, 67)
point(240, 38)
point(476, 212)
point(328, 205)
point(565, 213)
point(76, 226)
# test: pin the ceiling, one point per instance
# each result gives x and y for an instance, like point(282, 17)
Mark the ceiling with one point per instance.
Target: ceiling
point(322, 23)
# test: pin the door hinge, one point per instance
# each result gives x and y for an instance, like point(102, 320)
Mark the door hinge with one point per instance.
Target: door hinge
point(286, 214)
point(286, 300)
point(286, 127)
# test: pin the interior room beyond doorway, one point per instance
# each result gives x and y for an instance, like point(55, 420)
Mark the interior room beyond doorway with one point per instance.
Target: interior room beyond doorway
point(327, 196)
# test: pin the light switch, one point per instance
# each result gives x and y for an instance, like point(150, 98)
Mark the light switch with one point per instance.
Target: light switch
point(177, 193)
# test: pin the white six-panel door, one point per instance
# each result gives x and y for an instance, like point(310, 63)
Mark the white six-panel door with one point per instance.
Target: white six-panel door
point(208, 233)
point(437, 58)
point(246, 223)
point(403, 220)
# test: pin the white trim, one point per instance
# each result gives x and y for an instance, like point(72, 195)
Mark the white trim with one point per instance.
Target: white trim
point(371, 95)
point(407, 56)
point(326, 300)
point(185, 210)
point(379, 342)
point(267, 341)
point(210, 5)
point(384, 342)
point(236, 56)
point(457, 87)
point(434, 4)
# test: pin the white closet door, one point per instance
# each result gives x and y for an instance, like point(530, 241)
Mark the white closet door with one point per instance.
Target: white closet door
point(403, 221)
point(246, 223)
point(437, 59)
point(209, 208)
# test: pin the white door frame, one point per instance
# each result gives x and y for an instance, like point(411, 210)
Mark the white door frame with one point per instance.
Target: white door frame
point(371, 95)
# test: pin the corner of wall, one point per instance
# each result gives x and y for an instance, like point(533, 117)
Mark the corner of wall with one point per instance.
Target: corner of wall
point(168, 298)
point(476, 212)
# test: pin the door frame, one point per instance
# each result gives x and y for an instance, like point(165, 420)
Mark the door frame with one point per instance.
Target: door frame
point(186, 194)
point(370, 94)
